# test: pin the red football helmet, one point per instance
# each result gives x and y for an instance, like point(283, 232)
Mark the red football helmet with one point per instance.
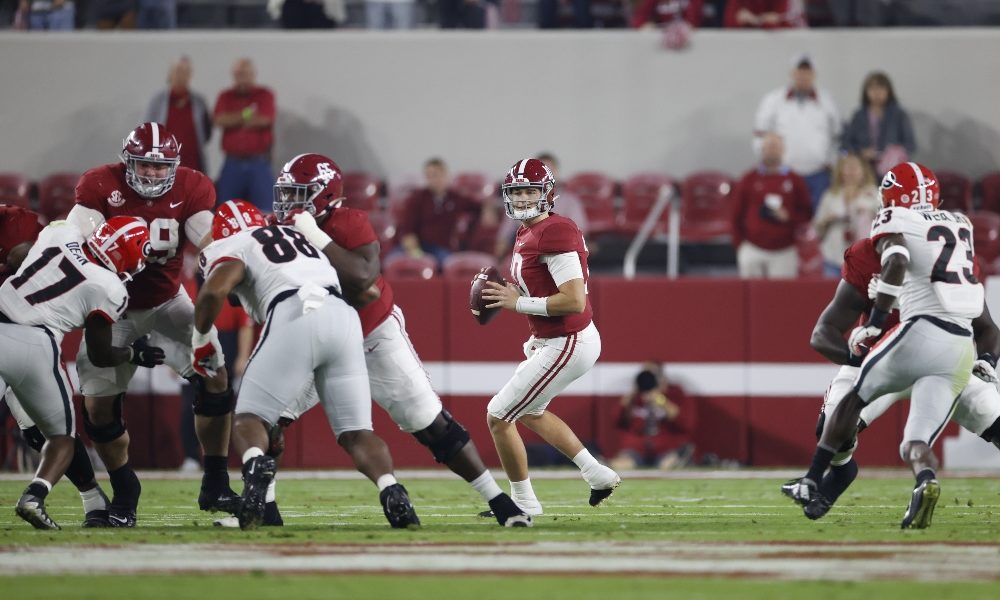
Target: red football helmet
point(910, 185)
point(152, 145)
point(121, 244)
point(234, 216)
point(310, 182)
point(529, 173)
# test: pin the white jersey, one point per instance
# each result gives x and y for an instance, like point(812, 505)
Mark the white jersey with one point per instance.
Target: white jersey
point(59, 287)
point(277, 258)
point(939, 280)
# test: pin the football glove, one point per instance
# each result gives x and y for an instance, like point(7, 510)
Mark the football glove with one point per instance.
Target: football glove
point(985, 368)
point(146, 355)
point(862, 339)
point(207, 350)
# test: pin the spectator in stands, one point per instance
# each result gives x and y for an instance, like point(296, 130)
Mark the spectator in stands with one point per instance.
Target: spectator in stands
point(846, 211)
point(156, 14)
point(567, 205)
point(807, 119)
point(185, 113)
point(769, 203)
point(45, 15)
point(435, 218)
point(880, 130)
point(391, 14)
point(245, 113)
point(677, 18)
point(764, 14)
point(115, 14)
point(308, 14)
point(859, 13)
point(549, 17)
point(466, 14)
point(656, 421)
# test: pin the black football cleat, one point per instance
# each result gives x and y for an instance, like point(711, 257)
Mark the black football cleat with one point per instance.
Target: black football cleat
point(817, 507)
point(507, 513)
point(31, 508)
point(788, 488)
point(397, 508)
point(119, 516)
point(598, 496)
point(258, 473)
point(922, 502)
point(96, 518)
point(219, 500)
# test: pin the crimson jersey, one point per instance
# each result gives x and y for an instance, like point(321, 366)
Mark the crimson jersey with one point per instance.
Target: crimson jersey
point(554, 235)
point(861, 263)
point(351, 229)
point(17, 226)
point(104, 189)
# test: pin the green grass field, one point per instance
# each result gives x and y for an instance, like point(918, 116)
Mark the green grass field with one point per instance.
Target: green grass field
point(697, 538)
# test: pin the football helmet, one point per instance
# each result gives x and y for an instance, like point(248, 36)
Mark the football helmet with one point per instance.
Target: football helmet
point(310, 182)
point(121, 244)
point(530, 173)
point(234, 216)
point(150, 143)
point(910, 185)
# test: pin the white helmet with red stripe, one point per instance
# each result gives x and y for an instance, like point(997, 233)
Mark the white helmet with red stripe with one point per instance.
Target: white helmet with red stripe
point(234, 216)
point(529, 173)
point(153, 145)
point(910, 185)
point(121, 244)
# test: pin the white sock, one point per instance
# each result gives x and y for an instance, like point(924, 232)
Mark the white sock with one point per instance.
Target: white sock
point(251, 454)
point(385, 481)
point(486, 486)
point(522, 490)
point(270, 495)
point(585, 460)
point(93, 500)
point(48, 486)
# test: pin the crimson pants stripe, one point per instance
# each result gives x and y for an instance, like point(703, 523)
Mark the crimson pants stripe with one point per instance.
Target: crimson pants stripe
point(541, 384)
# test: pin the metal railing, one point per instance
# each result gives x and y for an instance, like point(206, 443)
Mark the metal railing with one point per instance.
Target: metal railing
point(664, 197)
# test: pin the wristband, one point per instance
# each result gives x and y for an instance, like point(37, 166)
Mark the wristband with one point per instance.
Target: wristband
point(988, 358)
point(199, 339)
point(316, 236)
point(532, 306)
point(895, 249)
point(887, 288)
point(877, 318)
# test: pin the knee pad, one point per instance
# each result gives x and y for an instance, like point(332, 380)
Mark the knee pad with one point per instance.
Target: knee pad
point(33, 437)
point(108, 432)
point(212, 404)
point(445, 440)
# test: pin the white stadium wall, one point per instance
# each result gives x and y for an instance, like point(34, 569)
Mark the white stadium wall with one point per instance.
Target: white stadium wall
point(387, 101)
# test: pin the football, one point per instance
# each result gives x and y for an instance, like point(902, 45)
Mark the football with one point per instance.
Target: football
point(476, 304)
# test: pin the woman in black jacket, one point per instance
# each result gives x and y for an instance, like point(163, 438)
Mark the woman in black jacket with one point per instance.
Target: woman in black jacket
point(880, 130)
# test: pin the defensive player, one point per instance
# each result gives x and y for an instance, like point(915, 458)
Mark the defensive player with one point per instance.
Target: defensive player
point(177, 203)
point(309, 191)
point(978, 408)
point(19, 227)
point(549, 267)
point(66, 282)
point(927, 262)
point(311, 337)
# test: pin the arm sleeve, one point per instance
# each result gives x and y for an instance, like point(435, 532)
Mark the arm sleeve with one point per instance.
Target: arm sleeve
point(85, 219)
point(110, 299)
point(560, 238)
point(350, 228)
point(197, 226)
point(217, 253)
point(850, 272)
point(563, 267)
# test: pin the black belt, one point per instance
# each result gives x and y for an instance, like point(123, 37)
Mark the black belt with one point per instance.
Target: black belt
point(285, 295)
point(946, 325)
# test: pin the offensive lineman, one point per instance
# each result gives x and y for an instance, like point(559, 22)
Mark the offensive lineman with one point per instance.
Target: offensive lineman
point(549, 267)
point(66, 282)
point(311, 337)
point(177, 203)
point(927, 260)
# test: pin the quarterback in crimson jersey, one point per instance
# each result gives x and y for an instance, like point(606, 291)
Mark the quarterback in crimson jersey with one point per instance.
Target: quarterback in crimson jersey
point(549, 270)
point(308, 193)
point(177, 204)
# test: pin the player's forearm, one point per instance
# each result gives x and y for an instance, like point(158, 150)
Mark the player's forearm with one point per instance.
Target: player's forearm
point(560, 304)
point(986, 334)
point(207, 308)
point(355, 271)
point(227, 120)
point(893, 273)
point(829, 342)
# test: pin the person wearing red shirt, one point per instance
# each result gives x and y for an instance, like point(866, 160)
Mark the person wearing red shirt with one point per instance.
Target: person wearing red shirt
point(436, 219)
point(650, 13)
point(769, 204)
point(246, 112)
point(763, 14)
point(185, 113)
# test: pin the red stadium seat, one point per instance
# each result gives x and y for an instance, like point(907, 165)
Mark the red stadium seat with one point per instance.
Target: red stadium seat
point(956, 191)
point(362, 191)
point(407, 267)
point(465, 265)
point(476, 185)
point(990, 186)
point(15, 189)
point(597, 192)
point(705, 206)
point(986, 236)
point(639, 193)
point(57, 194)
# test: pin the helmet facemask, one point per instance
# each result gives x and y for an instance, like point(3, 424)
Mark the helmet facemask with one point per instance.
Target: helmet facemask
point(540, 207)
point(149, 186)
point(290, 196)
